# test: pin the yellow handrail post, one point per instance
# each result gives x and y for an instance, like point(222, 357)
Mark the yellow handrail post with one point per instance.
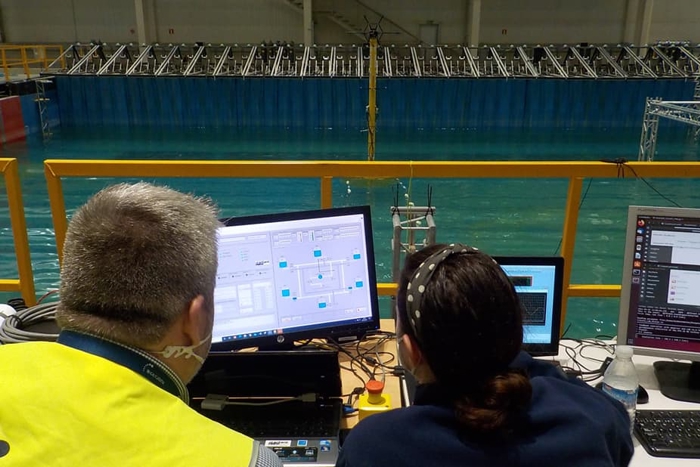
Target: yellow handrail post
point(58, 209)
point(568, 240)
point(372, 105)
point(19, 232)
point(5, 68)
point(23, 52)
point(326, 192)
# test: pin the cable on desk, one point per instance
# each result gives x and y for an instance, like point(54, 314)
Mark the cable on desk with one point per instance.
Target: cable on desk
point(353, 358)
point(575, 353)
point(349, 407)
point(13, 327)
point(355, 373)
point(219, 401)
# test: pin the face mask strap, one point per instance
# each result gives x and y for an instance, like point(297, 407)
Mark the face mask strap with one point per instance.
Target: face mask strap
point(177, 351)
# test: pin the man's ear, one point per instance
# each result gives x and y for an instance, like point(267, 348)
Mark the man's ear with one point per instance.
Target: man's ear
point(197, 323)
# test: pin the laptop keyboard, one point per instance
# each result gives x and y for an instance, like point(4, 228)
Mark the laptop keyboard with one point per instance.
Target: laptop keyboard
point(288, 419)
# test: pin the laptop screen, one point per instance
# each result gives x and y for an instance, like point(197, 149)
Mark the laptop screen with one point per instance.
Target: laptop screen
point(538, 282)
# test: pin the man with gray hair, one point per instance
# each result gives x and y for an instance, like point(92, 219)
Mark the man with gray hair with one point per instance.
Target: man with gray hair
point(136, 311)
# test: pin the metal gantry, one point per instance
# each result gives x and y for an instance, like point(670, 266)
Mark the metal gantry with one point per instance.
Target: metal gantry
point(410, 220)
point(624, 61)
point(680, 111)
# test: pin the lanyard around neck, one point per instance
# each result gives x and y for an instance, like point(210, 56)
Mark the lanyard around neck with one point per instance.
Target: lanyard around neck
point(136, 360)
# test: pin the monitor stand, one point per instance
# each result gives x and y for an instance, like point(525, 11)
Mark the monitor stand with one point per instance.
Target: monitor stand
point(679, 381)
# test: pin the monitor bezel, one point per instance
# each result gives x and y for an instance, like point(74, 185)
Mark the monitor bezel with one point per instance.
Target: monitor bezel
point(625, 291)
point(333, 331)
point(551, 348)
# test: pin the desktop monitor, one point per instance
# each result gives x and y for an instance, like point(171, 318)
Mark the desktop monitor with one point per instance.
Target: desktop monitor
point(660, 298)
point(293, 276)
point(538, 283)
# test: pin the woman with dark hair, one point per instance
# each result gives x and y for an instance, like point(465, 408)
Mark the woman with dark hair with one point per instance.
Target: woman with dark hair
point(481, 401)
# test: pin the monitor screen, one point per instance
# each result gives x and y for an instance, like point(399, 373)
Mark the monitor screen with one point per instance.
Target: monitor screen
point(660, 298)
point(291, 276)
point(538, 282)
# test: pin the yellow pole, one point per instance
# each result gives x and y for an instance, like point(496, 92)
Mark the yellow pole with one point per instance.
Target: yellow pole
point(19, 232)
point(326, 192)
point(372, 107)
point(568, 241)
point(58, 209)
point(5, 68)
point(23, 52)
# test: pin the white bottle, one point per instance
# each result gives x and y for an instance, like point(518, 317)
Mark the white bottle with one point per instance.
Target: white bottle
point(621, 381)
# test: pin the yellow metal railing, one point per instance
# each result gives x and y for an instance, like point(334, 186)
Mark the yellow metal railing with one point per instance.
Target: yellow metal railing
point(25, 283)
point(575, 172)
point(24, 56)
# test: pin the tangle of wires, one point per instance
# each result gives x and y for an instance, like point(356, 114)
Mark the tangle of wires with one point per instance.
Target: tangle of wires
point(584, 355)
point(367, 362)
point(14, 328)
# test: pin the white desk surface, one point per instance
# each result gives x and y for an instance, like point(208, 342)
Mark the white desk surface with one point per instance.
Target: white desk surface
point(657, 400)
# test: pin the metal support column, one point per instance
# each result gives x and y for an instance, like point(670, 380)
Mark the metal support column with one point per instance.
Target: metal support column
point(308, 23)
point(42, 102)
point(140, 22)
point(696, 98)
point(645, 26)
point(474, 22)
point(629, 32)
point(650, 130)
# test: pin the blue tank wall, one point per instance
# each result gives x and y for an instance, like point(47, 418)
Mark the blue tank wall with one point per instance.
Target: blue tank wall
point(340, 103)
point(30, 111)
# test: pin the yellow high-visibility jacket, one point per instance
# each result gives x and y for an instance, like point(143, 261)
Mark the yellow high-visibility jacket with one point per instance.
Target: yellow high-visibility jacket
point(60, 406)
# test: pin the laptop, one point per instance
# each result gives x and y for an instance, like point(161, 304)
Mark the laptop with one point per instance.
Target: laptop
point(289, 401)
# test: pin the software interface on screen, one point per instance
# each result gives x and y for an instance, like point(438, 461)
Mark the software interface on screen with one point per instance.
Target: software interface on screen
point(664, 284)
point(535, 287)
point(291, 275)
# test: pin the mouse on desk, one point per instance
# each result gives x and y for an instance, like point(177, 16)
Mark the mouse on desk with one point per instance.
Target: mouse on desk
point(642, 395)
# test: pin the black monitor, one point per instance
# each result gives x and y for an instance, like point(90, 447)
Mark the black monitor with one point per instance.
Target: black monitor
point(660, 298)
point(293, 276)
point(538, 282)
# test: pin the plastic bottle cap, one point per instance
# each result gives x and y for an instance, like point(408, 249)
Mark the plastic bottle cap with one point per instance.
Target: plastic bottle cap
point(374, 387)
point(624, 351)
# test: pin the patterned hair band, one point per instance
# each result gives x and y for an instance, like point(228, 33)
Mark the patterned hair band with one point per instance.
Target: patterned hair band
point(416, 286)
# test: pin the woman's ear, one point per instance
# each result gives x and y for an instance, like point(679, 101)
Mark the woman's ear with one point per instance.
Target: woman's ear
point(412, 352)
